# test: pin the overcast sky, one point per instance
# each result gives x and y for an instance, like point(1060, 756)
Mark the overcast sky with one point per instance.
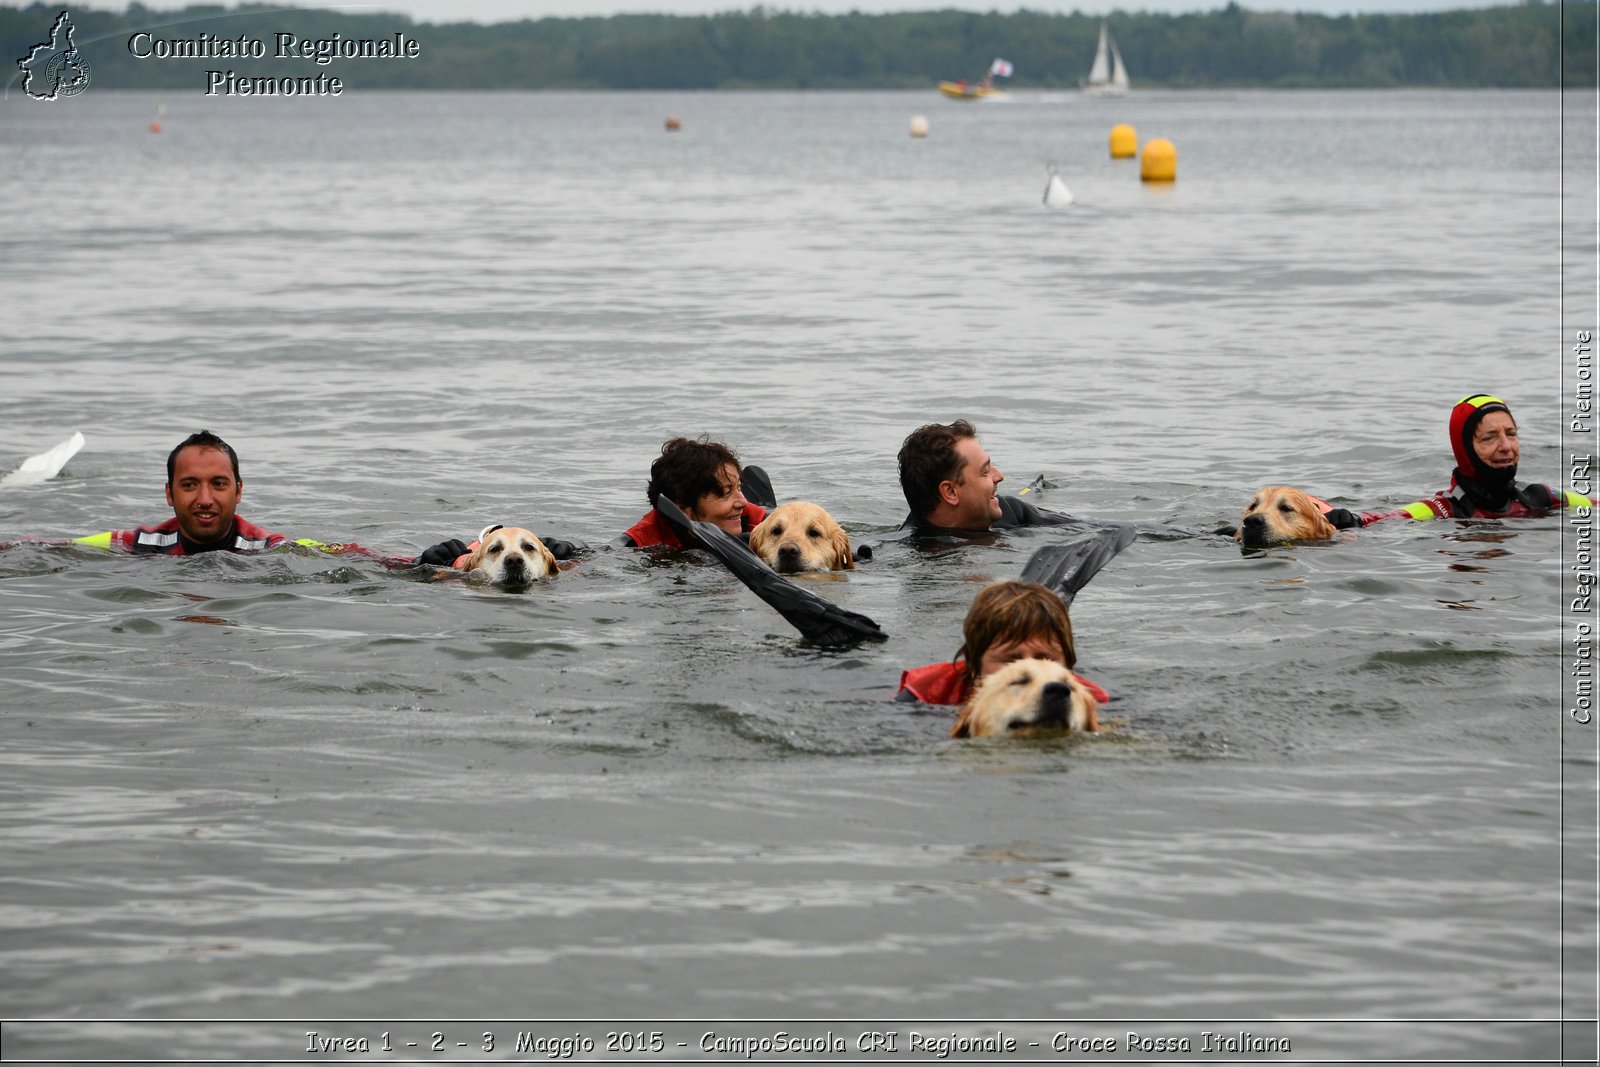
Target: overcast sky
point(510, 10)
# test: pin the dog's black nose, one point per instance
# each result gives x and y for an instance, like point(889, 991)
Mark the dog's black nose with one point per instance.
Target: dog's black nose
point(1054, 700)
point(788, 550)
point(1255, 521)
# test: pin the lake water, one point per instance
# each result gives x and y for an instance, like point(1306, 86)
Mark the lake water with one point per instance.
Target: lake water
point(1343, 804)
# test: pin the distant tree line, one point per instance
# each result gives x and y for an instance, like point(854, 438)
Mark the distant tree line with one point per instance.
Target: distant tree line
point(1524, 46)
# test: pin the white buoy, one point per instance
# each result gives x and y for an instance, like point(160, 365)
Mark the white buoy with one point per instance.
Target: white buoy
point(919, 126)
point(1056, 193)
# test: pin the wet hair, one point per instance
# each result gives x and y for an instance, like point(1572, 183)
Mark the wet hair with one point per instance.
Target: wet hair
point(1014, 611)
point(929, 457)
point(688, 469)
point(203, 439)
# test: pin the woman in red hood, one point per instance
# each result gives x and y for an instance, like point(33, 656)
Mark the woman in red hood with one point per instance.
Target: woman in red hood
point(1483, 436)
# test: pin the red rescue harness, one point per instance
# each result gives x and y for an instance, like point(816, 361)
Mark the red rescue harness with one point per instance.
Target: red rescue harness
point(946, 683)
point(166, 539)
point(653, 531)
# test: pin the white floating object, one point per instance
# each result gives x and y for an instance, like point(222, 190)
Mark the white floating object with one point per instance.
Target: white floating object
point(919, 125)
point(1056, 193)
point(45, 465)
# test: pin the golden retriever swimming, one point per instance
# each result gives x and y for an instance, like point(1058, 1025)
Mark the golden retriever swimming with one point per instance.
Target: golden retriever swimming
point(510, 556)
point(1028, 697)
point(1279, 514)
point(801, 536)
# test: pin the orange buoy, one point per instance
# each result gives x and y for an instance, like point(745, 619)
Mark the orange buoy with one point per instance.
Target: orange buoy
point(1124, 141)
point(673, 123)
point(155, 127)
point(1159, 163)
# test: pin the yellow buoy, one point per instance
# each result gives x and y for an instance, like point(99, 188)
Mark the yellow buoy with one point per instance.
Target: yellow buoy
point(1159, 162)
point(673, 123)
point(1124, 141)
point(919, 126)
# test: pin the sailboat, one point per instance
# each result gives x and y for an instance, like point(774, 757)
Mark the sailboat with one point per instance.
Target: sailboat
point(1108, 77)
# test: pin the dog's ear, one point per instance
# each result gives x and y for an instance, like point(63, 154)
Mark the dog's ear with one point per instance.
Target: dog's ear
point(844, 559)
point(759, 536)
point(963, 726)
point(1091, 721)
point(1317, 525)
point(552, 565)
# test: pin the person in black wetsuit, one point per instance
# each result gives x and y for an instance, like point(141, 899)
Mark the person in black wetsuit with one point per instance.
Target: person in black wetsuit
point(952, 485)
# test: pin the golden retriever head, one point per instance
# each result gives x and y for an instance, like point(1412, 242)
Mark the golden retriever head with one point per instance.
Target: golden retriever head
point(1278, 514)
point(510, 556)
point(1027, 697)
point(801, 536)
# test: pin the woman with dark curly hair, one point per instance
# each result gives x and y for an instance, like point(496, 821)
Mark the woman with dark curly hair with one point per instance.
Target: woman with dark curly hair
point(702, 477)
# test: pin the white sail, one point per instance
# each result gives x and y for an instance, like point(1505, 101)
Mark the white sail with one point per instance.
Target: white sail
point(1108, 75)
point(1100, 73)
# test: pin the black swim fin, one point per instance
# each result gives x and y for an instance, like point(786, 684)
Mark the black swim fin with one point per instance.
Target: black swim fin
point(818, 619)
point(757, 487)
point(1068, 568)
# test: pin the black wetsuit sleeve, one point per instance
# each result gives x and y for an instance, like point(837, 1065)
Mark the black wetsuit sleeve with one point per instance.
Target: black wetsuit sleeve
point(564, 549)
point(1014, 511)
point(442, 554)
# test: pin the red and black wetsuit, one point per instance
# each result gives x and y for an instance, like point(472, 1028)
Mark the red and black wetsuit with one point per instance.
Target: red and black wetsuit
point(167, 539)
point(653, 531)
point(1477, 490)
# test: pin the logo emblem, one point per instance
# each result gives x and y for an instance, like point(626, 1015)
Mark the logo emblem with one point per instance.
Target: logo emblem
point(55, 68)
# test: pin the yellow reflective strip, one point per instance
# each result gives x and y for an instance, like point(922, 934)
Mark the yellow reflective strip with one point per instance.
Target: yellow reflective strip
point(333, 549)
point(1419, 511)
point(1578, 500)
point(99, 540)
point(1481, 399)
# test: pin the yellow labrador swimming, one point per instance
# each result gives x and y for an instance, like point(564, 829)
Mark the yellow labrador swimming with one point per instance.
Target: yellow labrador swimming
point(509, 556)
point(1279, 514)
point(1025, 698)
point(802, 536)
